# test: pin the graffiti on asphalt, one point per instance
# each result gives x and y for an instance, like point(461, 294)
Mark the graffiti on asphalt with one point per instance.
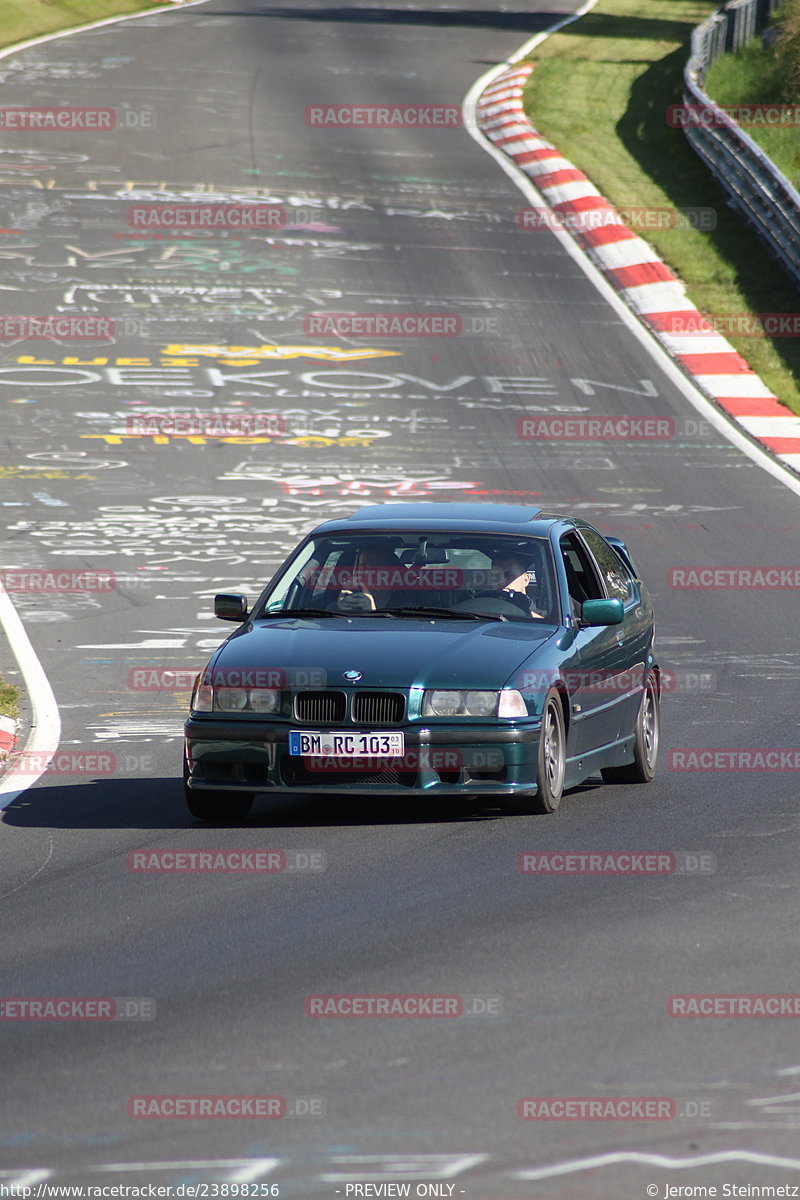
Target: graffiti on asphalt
point(230, 530)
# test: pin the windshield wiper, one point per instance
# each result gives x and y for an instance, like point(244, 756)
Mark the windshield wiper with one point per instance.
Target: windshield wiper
point(422, 611)
point(303, 612)
point(432, 611)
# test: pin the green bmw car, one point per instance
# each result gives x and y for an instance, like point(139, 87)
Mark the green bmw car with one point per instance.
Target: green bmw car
point(449, 650)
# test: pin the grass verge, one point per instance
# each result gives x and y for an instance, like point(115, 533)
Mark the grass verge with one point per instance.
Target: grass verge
point(24, 19)
point(600, 92)
point(9, 699)
point(756, 76)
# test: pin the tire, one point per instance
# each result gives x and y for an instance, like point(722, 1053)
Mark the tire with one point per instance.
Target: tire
point(647, 733)
point(222, 808)
point(551, 764)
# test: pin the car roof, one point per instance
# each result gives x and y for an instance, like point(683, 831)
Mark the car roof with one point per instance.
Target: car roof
point(490, 518)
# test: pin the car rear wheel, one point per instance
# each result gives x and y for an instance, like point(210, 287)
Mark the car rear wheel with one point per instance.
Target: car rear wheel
point(646, 737)
point(218, 806)
point(552, 761)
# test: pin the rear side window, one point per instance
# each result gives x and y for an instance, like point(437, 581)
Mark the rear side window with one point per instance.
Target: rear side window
point(618, 578)
point(582, 579)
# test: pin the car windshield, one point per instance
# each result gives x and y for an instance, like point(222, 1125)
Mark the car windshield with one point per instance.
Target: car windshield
point(437, 574)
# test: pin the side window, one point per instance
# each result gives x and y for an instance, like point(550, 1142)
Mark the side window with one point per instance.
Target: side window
point(320, 575)
point(582, 578)
point(618, 578)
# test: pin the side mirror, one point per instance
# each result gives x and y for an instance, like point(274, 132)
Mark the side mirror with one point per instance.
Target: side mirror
point(230, 607)
point(602, 612)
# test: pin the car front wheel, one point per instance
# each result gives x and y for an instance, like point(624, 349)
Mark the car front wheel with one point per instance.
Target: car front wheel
point(646, 737)
point(551, 765)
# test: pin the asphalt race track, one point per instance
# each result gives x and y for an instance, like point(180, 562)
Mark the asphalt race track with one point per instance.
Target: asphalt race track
point(572, 973)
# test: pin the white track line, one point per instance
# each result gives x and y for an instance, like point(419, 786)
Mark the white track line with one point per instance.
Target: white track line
point(45, 731)
point(46, 722)
point(50, 37)
point(657, 1160)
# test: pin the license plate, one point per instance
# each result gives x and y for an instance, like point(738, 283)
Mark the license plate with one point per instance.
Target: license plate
point(308, 744)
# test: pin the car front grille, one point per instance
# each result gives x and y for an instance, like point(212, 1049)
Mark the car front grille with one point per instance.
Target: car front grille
point(329, 707)
point(378, 708)
point(296, 774)
point(321, 708)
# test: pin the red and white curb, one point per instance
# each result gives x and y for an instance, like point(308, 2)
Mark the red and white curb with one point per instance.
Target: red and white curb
point(8, 736)
point(647, 285)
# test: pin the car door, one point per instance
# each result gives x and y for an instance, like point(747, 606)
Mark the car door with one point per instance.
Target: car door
point(596, 663)
point(634, 635)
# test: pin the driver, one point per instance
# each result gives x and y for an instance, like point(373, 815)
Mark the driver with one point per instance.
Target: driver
point(371, 561)
point(511, 576)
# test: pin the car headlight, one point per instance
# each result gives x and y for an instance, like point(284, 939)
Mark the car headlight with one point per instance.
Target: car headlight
point(265, 700)
point(241, 699)
point(441, 704)
point(207, 698)
point(459, 704)
point(480, 704)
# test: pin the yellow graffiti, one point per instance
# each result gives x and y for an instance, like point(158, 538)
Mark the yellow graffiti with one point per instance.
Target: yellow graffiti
point(33, 473)
point(69, 360)
point(196, 439)
point(329, 353)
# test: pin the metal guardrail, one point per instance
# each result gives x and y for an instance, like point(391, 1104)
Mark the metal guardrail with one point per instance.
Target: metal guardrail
point(755, 185)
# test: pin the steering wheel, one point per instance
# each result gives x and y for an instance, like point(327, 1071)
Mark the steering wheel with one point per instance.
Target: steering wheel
point(497, 602)
point(502, 594)
point(494, 593)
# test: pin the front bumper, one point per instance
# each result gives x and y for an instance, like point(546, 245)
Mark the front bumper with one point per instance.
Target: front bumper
point(441, 759)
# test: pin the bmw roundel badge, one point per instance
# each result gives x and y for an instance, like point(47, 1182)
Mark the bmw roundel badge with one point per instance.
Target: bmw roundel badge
point(352, 676)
